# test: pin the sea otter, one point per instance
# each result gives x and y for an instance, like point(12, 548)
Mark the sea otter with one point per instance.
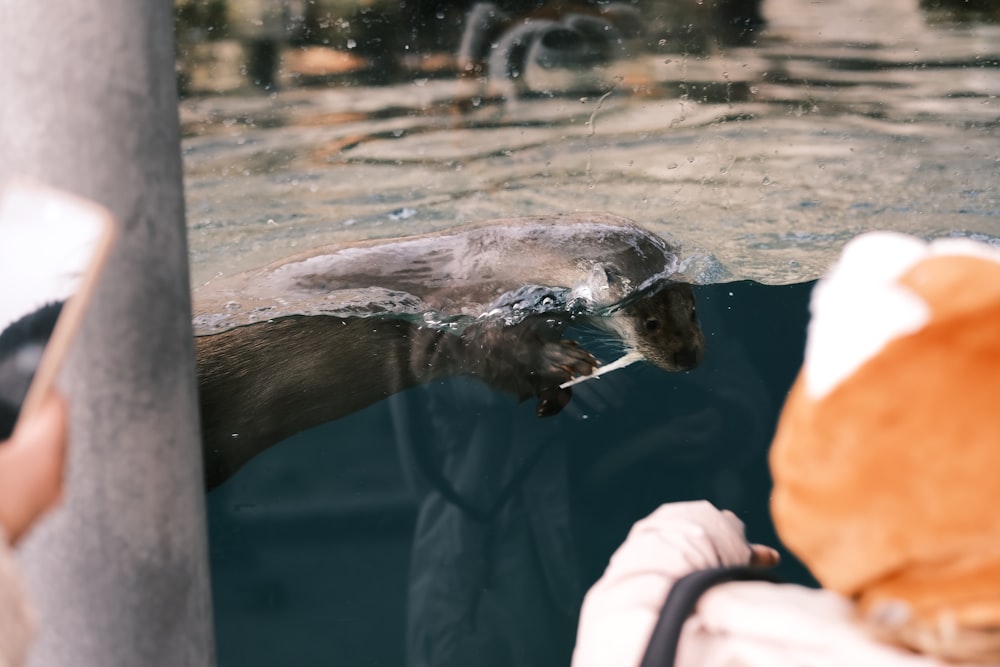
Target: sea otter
point(322, 334)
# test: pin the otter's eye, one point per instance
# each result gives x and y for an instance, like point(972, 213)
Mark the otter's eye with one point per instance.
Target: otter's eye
point(652, 324)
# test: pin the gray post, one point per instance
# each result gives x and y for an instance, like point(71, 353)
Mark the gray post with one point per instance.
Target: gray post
point(119, 574)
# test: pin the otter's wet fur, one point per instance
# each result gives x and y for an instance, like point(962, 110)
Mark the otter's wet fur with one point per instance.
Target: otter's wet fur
point(291, 346)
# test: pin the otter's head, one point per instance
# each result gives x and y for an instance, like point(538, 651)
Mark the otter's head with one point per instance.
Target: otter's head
point(662, 325)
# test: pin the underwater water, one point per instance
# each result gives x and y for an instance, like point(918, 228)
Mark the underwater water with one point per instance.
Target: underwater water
point(448, 521)
point(337, 546)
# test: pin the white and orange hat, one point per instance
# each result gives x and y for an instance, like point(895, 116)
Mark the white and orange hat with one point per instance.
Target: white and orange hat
point(886, 461)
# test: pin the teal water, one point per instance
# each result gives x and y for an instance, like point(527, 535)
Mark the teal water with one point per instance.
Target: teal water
point(331, 547)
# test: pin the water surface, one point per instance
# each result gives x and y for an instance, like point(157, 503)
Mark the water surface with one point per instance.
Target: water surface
point(762, 160)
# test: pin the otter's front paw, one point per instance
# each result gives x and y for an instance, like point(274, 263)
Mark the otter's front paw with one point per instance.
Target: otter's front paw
point(560, 361)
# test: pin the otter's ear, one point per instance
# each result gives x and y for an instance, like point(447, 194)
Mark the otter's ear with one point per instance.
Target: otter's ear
point(552, 401)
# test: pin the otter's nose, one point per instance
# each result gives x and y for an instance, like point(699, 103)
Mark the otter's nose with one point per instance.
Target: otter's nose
point(687, 358)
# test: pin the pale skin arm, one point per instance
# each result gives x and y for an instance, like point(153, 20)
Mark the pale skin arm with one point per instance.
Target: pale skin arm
point(31, 466)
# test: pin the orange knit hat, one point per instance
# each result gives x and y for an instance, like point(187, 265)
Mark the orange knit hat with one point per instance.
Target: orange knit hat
point(886, 462)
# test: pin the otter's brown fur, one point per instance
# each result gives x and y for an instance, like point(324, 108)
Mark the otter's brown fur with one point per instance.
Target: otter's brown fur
point(263, 381)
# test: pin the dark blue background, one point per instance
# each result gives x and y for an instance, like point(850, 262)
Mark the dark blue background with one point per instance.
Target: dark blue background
point(311, 543)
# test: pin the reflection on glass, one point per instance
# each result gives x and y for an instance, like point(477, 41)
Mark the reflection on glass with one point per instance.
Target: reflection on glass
point(448, 520)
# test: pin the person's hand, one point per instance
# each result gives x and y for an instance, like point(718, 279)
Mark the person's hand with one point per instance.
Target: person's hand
point(763, 556)
point(621, 609)
point(31, 466)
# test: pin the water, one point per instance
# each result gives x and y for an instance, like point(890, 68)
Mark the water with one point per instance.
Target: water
point(504, 270)
point(449, 519)
point(765, 159)
point(313, 550)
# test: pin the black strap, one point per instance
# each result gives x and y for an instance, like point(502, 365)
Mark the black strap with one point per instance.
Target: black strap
point(681, 601)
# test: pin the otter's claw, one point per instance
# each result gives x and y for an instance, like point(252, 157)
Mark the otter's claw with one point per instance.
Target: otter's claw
point(552, 402)
point(561, 361)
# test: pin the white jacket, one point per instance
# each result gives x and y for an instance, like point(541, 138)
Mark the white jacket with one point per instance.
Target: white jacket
point(735, 624)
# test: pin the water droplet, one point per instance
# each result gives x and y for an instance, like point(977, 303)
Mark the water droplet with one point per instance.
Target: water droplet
point(351, 44)
point(402, 213)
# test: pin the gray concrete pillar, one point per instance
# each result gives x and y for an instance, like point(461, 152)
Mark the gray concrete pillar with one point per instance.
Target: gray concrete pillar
point(119, 574)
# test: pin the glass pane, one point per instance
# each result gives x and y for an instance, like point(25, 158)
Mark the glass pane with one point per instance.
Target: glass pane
point(398, 476)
